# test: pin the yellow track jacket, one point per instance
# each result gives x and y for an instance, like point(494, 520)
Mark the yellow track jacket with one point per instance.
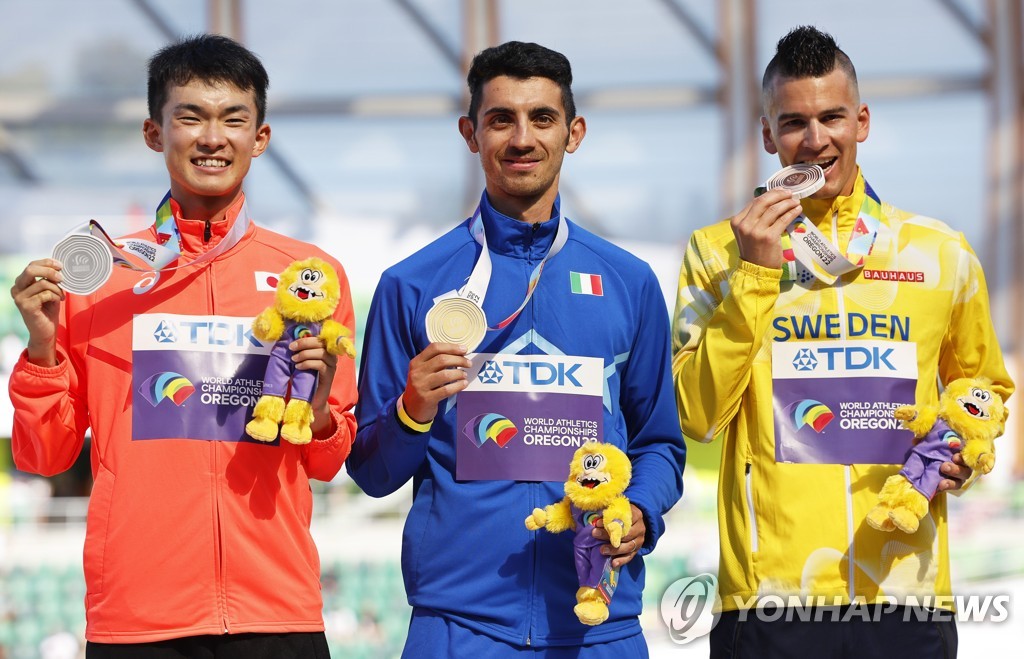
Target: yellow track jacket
point(806, 446)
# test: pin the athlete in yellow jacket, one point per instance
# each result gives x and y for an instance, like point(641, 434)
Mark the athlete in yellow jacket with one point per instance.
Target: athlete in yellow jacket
point(797, 375)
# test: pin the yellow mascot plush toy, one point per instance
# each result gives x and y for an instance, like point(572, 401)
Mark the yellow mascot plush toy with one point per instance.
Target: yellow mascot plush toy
point(967, 420)
point(598, 475)
point(307, 294)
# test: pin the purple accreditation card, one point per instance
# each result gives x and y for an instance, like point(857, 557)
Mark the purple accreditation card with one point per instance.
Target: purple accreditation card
point(523, 416)
point(195, 377)
point(834, 401)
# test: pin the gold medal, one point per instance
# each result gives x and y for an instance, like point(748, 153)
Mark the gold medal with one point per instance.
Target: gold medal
point(456, 320)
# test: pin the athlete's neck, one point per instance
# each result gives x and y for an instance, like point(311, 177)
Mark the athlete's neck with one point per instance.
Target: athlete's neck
point(206, 209)
point(532, 209)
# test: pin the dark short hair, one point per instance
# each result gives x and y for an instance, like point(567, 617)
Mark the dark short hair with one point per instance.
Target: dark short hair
point(517, 59)
point(209, 58)
point(807, 52)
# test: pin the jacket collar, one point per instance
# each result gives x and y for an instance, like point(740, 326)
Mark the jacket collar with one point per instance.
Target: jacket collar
point(511, 237)
point(193, 239)
point(848, 207)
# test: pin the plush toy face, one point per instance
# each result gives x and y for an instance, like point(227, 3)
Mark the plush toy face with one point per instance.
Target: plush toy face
point(971, 408)
point(598, 473)
point(308, 291)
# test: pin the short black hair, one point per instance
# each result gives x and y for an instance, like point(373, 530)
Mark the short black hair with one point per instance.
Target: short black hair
point(209, 58)
point(517, 59)
point(807, 52)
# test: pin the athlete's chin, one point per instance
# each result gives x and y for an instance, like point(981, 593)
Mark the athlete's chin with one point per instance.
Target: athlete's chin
point(525, 186)
point(220, 188)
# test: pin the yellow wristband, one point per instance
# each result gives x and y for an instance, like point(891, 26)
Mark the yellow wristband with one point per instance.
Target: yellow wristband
point(408, 421)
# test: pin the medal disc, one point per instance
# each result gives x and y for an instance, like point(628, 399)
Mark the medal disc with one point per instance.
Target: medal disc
point(801, 180)
point(456, 320)
point(87, 263)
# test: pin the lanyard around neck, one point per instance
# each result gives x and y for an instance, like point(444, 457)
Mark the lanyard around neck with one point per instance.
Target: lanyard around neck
point(155, 257)
point(458, 316)
point(476, 288)
point(805, 244)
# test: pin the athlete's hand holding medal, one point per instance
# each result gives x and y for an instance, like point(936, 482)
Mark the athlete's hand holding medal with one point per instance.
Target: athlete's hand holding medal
point(80, 264)
point(456, 325)
point(439, 371)
point(760, 225)
point(37, 295)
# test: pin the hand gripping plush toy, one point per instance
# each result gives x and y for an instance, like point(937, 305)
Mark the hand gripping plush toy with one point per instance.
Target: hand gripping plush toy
point(598, 475)
point(307, 294)
point(967, 419)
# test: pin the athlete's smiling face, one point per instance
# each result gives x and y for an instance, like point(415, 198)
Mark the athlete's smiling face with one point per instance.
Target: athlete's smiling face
point(208, 133)
point(818, 121)
point(522, 135)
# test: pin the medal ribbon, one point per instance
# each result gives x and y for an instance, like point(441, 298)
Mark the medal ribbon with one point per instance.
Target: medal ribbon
point(476, 288)
point(805, 244)
point(155, 257)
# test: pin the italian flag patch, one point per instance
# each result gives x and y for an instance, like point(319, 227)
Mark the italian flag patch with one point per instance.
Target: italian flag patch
point(586, 284)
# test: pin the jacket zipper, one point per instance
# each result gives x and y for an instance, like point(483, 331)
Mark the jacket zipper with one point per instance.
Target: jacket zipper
point(533, 486)
point(218, 543)
point(536, 567)
point(749, 487)
point(222, 596)
point(207, 232)
point(847, 469)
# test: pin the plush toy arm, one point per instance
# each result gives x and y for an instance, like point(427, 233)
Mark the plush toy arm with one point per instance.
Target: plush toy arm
point(555, 518)
point(269, 325)
point(537, 519)
point(336, 338)
point(618, 518)
point(905, 412)
point(917, 421)
point(980, 454)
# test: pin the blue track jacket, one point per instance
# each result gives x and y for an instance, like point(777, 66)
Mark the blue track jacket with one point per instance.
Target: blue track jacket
point(466, 552)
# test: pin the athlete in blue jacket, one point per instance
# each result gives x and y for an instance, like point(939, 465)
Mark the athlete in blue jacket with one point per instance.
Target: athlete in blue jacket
point(481, 584)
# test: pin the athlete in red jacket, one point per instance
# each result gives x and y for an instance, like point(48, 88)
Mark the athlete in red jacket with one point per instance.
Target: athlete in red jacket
point(195, 532)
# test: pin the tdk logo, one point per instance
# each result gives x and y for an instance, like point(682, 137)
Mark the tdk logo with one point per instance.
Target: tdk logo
point(850, 358)
point(543, 373)
point(490, 373)
point(165, 333)
point(855, 358)
point(805, 360)
point(214, 332)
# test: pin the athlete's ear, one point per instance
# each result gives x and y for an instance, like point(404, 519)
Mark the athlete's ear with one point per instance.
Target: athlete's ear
point(153, 135)
point(262, 140)
point(577, 129)
point(766, 136)
point(468, 131)
point(863, 122)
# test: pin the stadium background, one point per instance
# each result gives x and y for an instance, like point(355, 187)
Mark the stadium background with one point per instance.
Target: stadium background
point(366, 161)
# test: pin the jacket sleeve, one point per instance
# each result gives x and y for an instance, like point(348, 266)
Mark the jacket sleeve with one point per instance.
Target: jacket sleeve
point(970, 347)
point(655, 446)
point(324, 457)
point(720, 323)
point(385, 454)
point(50, 410)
